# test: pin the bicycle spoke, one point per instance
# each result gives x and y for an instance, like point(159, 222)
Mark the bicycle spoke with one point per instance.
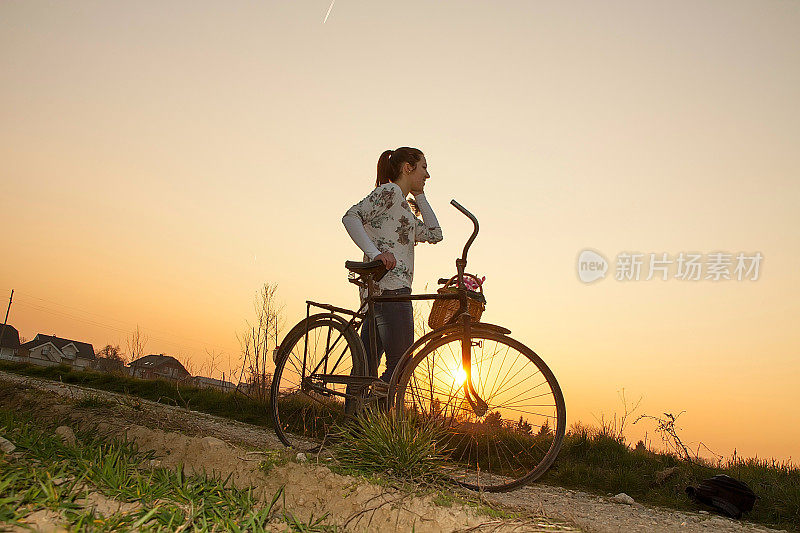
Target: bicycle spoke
point(514, 385)
point(499, 383)
point(546, 393)
point(488, 372)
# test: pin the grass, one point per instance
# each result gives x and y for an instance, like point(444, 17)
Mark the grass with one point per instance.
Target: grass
point(590, 460)
point(377, 442)
point(272, 458)
point(311, 418)
point(45, 474)
point(387, 450)
point(526, 449)
point(94, 401)
point(231, 405)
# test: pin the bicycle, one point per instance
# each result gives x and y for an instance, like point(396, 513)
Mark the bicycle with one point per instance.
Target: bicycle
point(465, 376)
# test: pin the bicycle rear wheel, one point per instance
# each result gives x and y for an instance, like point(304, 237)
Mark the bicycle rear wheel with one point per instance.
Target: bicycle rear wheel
point(513, 442)
point(306, 405)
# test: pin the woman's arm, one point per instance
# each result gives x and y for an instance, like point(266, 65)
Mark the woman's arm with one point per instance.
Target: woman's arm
point(355, 228)
point(370, 210)
point(428, 229)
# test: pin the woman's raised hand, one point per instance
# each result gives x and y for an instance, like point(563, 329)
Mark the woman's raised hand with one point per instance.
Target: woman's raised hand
point(388, 260)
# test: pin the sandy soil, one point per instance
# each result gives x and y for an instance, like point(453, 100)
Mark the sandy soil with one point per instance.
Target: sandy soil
point(203, 442)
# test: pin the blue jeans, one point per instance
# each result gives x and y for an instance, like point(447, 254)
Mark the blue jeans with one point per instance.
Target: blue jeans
point(394, 323)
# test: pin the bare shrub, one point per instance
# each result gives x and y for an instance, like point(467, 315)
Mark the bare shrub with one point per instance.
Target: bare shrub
point(258, 341)
point(665, 427)
point(614, 427)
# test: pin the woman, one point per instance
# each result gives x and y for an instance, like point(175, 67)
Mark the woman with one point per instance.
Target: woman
point(385, 228)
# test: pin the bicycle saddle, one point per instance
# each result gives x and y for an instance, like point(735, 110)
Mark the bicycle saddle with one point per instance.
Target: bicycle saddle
point(375, 268)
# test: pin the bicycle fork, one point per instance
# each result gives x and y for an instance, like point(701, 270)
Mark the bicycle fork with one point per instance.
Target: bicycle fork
point(479, 407)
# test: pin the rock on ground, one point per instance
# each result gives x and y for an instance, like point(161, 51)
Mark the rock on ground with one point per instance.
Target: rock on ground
point(622, 498)
point(66, 434)
point(6, 446)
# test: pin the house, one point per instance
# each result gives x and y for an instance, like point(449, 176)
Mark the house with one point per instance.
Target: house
point(49, 350)
point(9, 343)
point(221, 384)
point(158, 366)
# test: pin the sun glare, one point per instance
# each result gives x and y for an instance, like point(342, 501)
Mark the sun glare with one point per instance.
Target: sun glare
point(459, 375)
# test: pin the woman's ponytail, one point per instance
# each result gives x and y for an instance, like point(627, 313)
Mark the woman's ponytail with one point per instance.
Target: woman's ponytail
point(385, 172)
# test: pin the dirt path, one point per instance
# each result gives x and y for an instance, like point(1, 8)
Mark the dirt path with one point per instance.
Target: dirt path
point(201, 441)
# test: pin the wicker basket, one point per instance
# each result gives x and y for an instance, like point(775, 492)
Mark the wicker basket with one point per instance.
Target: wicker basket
point(444, 310)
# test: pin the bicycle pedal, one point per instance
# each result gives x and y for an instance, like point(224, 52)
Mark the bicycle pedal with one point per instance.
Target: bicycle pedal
point(380, 389)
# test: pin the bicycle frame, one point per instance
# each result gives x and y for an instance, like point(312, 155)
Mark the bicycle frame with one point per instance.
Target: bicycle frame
point(356, 320)
point(461, 320)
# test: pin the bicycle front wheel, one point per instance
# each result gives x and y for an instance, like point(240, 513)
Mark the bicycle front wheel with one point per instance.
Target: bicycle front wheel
point(512, 442)
point(307, 393)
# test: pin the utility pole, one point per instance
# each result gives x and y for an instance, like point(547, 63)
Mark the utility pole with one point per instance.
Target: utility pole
point(3, 330)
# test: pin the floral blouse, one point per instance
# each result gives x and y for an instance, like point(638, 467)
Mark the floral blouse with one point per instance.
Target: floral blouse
point(391, 226)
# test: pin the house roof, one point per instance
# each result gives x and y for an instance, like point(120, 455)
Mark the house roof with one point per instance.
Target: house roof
point(10, 337)
point(85, 350)
point(156, 360)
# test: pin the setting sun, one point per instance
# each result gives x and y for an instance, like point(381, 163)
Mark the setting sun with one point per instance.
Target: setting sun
point(459, 375)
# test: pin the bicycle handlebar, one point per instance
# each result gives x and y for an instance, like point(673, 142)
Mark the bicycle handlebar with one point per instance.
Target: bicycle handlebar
point(463, 210)
point(474, 221)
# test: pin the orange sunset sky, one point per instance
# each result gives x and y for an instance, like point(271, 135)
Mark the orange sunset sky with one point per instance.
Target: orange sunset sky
point(159, 161)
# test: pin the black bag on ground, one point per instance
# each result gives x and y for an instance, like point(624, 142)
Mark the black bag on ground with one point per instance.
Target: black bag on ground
point(722, 492)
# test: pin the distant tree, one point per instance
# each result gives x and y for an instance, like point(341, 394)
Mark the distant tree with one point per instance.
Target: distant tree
point(112, 353)
point(544, 429)
point(524, 427)
point(136, 343)
point(23, 340)
point(494, 420)
point(110, 359)
point(188, 363)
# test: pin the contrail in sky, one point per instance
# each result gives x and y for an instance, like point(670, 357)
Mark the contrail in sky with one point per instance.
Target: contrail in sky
point(329, 12)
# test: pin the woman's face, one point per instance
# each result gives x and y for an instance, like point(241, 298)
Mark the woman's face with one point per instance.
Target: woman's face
point(419, 175)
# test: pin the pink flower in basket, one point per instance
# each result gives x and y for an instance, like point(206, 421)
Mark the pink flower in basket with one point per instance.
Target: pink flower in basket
point(472, 283)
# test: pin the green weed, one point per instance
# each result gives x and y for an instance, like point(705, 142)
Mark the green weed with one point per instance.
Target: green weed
point(377, 442)
point(272, 458)
point(94, 401)
point(444, 499)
